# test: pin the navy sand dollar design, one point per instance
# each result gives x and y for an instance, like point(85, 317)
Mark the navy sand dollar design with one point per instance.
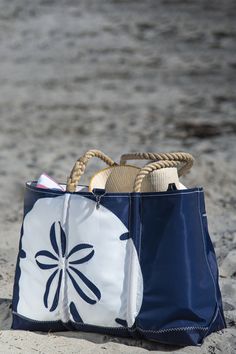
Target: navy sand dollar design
point(56, 264)
point(137, 265)
point(76, 278)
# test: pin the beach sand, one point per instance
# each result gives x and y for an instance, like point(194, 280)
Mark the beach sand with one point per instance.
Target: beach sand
point(118, 76)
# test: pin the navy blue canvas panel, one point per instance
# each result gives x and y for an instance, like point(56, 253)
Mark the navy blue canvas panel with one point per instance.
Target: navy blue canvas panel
point(181, 295)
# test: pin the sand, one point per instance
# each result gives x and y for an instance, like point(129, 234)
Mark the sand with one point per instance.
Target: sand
point(119, 76)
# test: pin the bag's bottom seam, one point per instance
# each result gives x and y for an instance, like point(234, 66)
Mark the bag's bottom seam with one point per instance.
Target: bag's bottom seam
point(173, 329)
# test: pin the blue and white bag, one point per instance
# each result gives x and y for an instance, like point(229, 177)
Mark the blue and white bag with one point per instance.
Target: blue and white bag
point(137, 264)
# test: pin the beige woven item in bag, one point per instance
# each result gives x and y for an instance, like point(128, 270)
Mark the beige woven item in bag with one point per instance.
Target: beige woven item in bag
point(115, 179)
point(121, 178)
point(182, 161)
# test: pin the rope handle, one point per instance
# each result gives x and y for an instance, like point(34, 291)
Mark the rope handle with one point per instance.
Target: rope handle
point(185, 159)
point(150, 168)
point(80, 166)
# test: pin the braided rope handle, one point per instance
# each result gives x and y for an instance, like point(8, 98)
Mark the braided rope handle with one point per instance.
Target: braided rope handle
point(80, 166)
point(186, 160)
point(150, 168)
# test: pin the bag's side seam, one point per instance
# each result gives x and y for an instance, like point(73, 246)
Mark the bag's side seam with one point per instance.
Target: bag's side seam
point(130, 264)
point(213, 320)
point(139, 238)
point(140, 227)
point(133, 271)
point(204, 246)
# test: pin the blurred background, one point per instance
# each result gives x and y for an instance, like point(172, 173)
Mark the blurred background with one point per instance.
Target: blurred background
point(120, 76)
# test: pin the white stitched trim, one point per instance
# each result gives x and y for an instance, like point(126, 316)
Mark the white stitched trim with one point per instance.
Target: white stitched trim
point(165, 195)
point(175, 329)
point(115, 195)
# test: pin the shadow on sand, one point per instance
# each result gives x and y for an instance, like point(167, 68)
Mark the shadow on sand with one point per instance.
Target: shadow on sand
point(101, 338)
point(5, 314)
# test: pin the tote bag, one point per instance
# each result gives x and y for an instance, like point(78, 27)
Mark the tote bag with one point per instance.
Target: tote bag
point(133, 264)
